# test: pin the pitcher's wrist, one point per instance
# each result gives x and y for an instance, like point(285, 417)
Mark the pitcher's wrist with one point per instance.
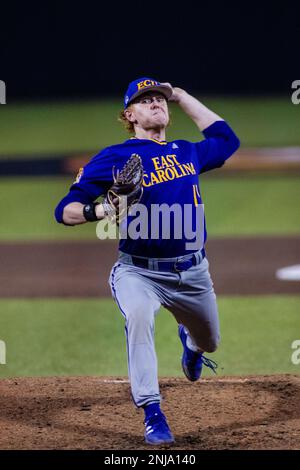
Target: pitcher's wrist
point(100, 212)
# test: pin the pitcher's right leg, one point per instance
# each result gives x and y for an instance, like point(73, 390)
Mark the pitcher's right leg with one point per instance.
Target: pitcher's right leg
point(138, 304)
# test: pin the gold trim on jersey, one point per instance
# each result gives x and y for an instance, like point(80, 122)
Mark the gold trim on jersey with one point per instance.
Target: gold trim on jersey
point(154, 140)
point(160, 143)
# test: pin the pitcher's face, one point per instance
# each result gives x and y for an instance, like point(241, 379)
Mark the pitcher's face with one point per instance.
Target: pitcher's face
point(149, 111)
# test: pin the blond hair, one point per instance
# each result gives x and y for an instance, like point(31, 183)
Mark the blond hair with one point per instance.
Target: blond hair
point(129, 126)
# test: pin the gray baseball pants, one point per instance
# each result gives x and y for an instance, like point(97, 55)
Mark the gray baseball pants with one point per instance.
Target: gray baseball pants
point(139, 293)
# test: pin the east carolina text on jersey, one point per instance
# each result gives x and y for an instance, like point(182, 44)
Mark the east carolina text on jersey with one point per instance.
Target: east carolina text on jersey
point(166, 168)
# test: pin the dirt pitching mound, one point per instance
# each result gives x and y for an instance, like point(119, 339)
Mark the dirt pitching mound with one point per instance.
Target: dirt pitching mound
point(96, 413)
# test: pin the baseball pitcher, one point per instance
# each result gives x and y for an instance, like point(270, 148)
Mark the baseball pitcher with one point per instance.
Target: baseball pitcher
point(151, 191)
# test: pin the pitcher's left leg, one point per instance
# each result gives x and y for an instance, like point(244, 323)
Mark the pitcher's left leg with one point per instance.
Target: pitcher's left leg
point(195, 307)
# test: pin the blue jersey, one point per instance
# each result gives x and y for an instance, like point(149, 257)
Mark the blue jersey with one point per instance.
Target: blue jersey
point(171, 177)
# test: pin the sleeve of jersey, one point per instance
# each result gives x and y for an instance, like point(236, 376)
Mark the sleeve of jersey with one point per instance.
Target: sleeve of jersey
point(219, 144)
point(95, 180)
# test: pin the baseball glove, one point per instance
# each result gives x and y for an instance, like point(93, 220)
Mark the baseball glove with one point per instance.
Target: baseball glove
point(126, 190)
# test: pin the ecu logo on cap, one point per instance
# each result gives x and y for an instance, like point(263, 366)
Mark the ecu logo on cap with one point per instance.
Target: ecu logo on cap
point(146, 83)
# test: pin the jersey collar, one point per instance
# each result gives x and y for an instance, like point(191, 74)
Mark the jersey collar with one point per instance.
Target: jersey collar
point(163, 142)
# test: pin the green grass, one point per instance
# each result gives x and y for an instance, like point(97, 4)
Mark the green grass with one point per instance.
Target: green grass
point(257, 205)
point(87, 126)
point(86, 337)
point(234, 206)
point(29, 205)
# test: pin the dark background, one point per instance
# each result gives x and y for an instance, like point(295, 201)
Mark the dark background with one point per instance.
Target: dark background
point(90, 49)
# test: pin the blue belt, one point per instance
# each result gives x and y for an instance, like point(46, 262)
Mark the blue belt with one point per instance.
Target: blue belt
point(170, 266)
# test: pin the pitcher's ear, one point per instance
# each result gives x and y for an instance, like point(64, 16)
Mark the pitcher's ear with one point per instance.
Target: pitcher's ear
point(129, 114)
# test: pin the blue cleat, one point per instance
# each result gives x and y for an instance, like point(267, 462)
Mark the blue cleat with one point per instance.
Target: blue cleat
point(157, 430)
point(192, 361)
